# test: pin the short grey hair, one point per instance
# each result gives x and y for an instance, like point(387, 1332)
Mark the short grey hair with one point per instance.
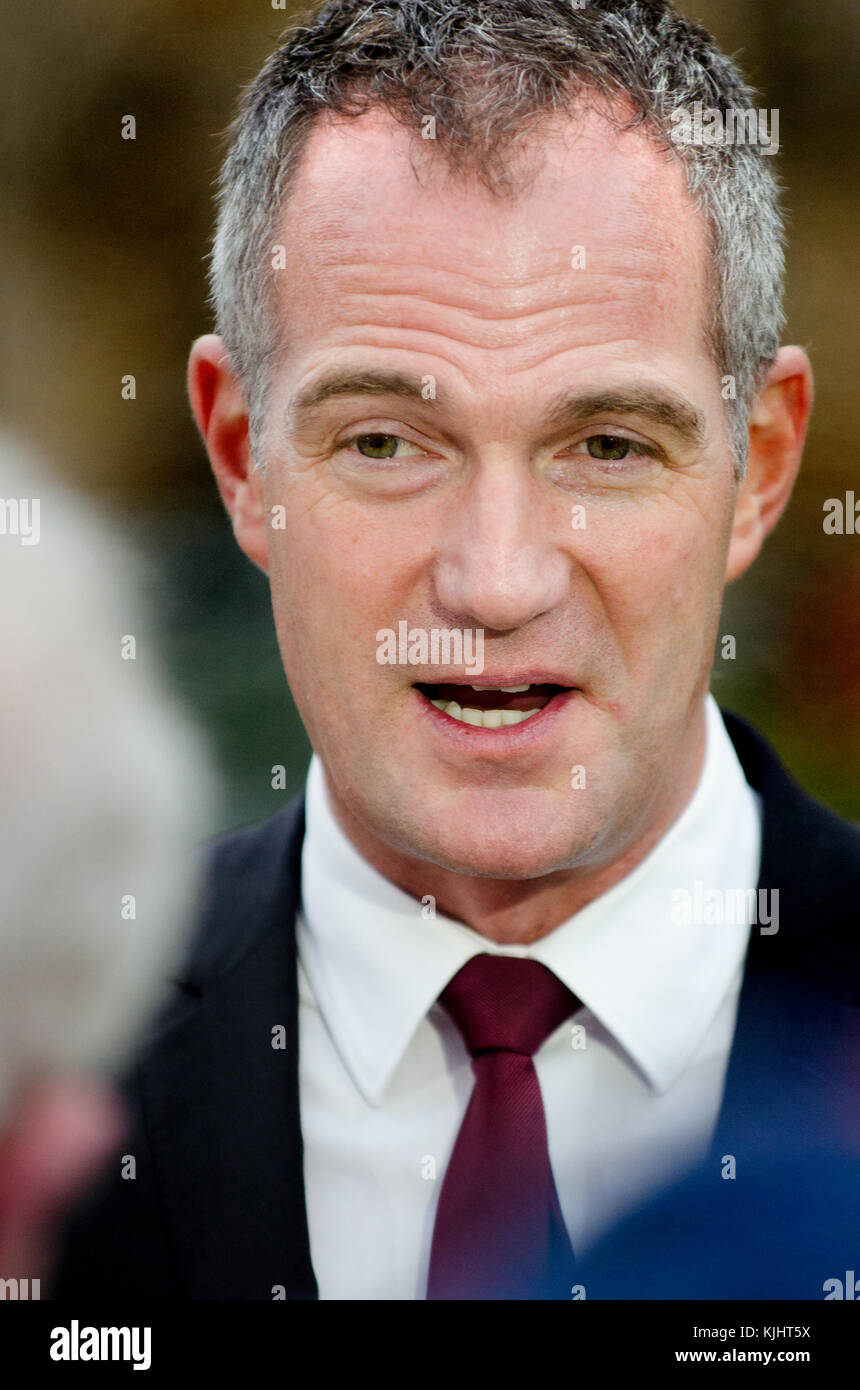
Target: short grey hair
point(488, 71)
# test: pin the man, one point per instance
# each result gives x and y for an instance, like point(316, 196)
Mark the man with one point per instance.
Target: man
point(498, 404)
point(105, 789)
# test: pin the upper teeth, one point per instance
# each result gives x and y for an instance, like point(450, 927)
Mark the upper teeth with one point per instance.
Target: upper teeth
point(504, 689)
point(484, 718)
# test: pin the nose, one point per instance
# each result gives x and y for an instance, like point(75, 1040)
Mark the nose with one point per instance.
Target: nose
point(500, 564)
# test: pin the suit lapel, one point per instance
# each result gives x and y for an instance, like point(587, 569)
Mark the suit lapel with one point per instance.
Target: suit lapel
point(221, 1101)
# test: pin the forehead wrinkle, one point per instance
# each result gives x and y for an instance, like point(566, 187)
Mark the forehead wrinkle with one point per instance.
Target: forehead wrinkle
point(413, 323)
point(625, 261)
point(617, 295)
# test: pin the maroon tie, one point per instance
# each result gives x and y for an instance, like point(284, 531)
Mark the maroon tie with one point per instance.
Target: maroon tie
point(499, 1230)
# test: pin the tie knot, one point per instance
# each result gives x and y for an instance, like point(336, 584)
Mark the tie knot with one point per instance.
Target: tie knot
point(506, 1004)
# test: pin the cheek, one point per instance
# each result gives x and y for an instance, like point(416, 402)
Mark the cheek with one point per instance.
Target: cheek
point(658, 572)
point(337, 576)
point(351, 565)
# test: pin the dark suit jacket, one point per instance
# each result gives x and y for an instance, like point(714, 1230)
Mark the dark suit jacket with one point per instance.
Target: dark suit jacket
point(217, 1207)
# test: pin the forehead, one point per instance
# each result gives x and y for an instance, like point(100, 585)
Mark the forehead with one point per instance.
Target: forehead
point(602, 248)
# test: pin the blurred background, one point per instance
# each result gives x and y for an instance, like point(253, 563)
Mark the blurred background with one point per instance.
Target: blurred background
point(102, 274)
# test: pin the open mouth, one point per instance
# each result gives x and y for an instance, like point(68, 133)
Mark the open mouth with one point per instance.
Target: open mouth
point(498, 707)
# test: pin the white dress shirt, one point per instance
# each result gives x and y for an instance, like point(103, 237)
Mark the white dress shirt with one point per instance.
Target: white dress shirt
point(385, 1077)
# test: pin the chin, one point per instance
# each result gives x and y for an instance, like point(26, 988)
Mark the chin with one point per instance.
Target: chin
point(510, 847)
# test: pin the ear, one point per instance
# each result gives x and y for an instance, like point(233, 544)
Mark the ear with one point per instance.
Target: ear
point(777, 431)
point(221, 413)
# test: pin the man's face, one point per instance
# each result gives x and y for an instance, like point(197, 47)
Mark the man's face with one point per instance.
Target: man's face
point(566, 487)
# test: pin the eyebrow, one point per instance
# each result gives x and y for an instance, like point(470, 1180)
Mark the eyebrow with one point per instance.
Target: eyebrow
point(660, 405)
point(345, 383)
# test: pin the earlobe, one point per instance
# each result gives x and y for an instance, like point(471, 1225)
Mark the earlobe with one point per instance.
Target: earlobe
point(778, 422)
point(221, 412)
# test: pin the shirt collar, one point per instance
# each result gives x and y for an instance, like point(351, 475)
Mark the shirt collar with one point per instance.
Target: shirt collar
point(377, 959)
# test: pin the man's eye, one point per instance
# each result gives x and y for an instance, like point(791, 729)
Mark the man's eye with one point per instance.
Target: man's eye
point(378, 446)
point(610, 447)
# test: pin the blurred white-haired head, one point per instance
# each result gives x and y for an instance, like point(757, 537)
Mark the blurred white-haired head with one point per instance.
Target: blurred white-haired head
point(106, 789)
